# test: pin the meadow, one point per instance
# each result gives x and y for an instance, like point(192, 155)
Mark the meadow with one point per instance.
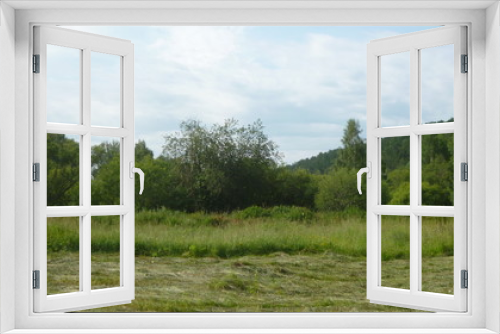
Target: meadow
point(280, 259)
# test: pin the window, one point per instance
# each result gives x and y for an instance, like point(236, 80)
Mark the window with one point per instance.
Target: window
point(476, 319)
point(103, 166)
point(417, 132)
point(68, 121)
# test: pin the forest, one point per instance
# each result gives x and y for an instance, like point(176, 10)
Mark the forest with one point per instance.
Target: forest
point(228, 167)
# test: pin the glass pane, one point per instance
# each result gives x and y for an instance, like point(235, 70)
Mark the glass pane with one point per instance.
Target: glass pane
point(105, 171)
point(437, 254)
point(105, 89)
point(63, 170)
point(63, 84)
point(395, 89)
point(437, 169)
point(63, 255)
point(395, 175)
point(105, 252)
point(395, 251)
point(437, 77)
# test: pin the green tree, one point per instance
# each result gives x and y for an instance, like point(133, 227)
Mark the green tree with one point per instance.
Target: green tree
point(103, 153)
point(353, 152)
point(163, 186)
point(395, 167)
point(437, 169)
point(105, 169)
point(63, 170)
point(224, 167)
point(295, 187)
point(142, 152)
point(337, 191)
point(318, 164)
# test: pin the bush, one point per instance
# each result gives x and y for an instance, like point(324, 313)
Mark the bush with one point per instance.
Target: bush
point(253, 212)
point(338, 191)
point(161, 217)
point(295, 213)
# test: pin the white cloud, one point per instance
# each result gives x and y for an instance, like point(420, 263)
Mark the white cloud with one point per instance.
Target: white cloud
point(197, 48)
point(302, 86)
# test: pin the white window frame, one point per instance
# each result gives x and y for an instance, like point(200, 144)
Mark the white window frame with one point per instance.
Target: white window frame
point(412, 45)
point(483, 126)
point(86, 297)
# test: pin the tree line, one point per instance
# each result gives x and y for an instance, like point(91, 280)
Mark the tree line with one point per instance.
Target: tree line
point(226, 167)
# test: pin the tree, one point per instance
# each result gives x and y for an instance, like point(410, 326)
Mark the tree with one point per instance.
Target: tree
point(437, 169)
point(295, 187)
point(337, 191)
point(105, 169)
point(353, 152)
point(318, 164)
point(163, 188)
point(224, 167)
point(436, 166)
point(63, 176)
point(142, 152)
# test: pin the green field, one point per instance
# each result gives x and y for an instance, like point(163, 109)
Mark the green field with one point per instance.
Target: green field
point(279, 260)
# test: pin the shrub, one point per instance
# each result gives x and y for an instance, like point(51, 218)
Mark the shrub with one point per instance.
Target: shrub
point(253, 212)
point(295, 213)
point(337, 191)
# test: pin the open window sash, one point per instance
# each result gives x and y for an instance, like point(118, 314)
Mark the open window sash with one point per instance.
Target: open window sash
point(85, 297)
point(414, 297)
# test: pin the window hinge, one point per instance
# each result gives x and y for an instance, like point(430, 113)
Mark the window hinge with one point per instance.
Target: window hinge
point(465, 64)
point(36, 279)
point(36, 172)
point(464, 172)
point(36, 63)
point(465, 279)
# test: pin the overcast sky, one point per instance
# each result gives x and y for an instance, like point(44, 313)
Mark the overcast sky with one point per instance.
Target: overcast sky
point(304, 83)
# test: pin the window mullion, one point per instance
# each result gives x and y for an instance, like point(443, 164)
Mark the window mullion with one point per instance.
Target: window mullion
point(414, 172)
point(86, 168)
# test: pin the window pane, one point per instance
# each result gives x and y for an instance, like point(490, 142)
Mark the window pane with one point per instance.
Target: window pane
point(437, 77)
point(63, 84)
point(395, 89)
point(395, 251)
point(63, 170)
point(437, 254)
point(105, 171)
point(395, 177)
point(437, 169)
point(63, 255)
point(105, 252)
point(105, 89)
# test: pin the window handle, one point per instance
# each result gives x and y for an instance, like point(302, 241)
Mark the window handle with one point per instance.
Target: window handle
point(141, 176)
point(368, 171)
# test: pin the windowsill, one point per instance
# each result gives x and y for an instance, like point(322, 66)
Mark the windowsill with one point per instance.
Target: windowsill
point(251, 331)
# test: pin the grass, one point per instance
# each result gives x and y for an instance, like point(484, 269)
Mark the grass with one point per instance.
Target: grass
point(260, 263)
point(171, 233)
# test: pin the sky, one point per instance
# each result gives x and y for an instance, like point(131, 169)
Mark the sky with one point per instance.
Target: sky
point(304, 83)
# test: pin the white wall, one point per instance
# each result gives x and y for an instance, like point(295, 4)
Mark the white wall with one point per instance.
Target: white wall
point(492, 159)
point(7, 160)
point(23, 158)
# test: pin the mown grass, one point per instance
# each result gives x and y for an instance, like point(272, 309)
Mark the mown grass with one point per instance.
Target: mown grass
point(273, 283)
point(272, 260)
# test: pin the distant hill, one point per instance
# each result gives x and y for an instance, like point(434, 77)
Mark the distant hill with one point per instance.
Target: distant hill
point(317, 164)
